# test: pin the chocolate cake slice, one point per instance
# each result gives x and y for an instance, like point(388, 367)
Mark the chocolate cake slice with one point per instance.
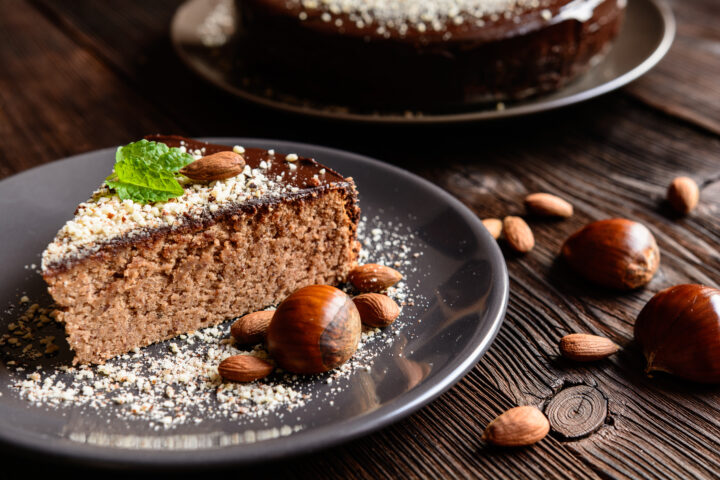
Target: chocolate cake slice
point(126, 274)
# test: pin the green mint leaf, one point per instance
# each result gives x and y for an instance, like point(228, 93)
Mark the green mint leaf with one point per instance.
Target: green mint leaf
point(174, 159)
point(155, 155)
point(127, 191)
point(145, 172)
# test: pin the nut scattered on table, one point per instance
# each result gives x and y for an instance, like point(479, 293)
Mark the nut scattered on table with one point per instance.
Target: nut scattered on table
point(494, 226)
point(615, 253)
point(679, 332)
point(683, 195)
point(582, 347)
point(548, 205)
point(372, 277)
point(517, 427)
point(244, 368)
point(252, 328)
point(518, 234)
point(376, 309)
point(315, 329)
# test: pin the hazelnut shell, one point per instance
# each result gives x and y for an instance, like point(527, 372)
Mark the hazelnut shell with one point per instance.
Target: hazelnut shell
point(315, 329)
point(679, 332)
point(615, 253)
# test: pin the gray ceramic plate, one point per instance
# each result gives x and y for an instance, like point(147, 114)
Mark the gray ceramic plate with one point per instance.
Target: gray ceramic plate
point(644, 40)
point(461, 275)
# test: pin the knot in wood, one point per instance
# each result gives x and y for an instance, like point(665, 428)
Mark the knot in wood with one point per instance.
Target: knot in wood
point(576, 412)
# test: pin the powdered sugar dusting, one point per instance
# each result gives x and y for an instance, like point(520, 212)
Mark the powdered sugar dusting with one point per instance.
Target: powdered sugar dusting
point(419, 15)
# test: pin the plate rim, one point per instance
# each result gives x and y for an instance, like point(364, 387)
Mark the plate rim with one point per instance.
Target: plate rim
point(63, 450)
point(661, 6)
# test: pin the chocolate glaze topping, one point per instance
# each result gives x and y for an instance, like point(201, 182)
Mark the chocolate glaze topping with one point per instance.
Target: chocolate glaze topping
point(302, 177)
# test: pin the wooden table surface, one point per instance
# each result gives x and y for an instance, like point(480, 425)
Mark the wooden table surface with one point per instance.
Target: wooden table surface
point(82, 75)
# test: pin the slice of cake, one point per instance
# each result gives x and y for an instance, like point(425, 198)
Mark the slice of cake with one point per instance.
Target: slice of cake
point(130, 272)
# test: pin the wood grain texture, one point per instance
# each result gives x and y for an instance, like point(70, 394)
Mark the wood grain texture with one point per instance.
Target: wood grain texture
point(68, 85)
point(685, 83)
point(576, 412)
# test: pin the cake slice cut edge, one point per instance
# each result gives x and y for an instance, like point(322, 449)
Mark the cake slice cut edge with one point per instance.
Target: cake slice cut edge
point(126, 275)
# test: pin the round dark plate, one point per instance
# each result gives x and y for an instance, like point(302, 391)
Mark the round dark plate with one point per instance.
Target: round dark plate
point(461, 275)
point(645, 38)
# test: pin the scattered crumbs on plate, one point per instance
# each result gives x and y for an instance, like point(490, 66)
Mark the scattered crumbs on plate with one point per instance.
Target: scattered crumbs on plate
point(178, 383)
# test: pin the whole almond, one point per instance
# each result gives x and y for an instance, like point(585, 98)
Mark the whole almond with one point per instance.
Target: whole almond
point(372, 277)
point(494, 226)
point(582, 347)
point(683, 194)
point(518, 234)
point(217, 166)
point(549, 205)
point(244, 368)
point(376, 309)
point(252, 328)
point(517, 427)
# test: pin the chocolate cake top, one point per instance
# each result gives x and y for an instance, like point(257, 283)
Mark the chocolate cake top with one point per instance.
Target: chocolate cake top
point(267, 177)
point(430, 20)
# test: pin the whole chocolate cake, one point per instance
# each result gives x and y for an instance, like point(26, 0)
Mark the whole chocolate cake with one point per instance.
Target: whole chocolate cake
point(424, 53)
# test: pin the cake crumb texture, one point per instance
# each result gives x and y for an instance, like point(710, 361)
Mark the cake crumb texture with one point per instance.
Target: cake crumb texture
point(145, 291)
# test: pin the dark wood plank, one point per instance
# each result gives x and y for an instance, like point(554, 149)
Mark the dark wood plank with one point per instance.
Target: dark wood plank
point(146, 60)
point(685, 83)
point(616, 162)
point(57, 98)
point(610, 157)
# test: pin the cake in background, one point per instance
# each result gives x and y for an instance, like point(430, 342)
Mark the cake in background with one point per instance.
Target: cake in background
point(414, 54)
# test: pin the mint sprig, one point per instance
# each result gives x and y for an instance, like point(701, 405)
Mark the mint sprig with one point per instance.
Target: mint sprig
point(145, 171)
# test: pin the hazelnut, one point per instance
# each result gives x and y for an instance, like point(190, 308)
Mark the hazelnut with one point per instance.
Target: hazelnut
point(679, 332)
point(615, 253)
point(315, 329)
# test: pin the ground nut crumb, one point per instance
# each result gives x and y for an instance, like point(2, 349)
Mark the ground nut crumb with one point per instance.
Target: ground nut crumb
point(176, 382)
